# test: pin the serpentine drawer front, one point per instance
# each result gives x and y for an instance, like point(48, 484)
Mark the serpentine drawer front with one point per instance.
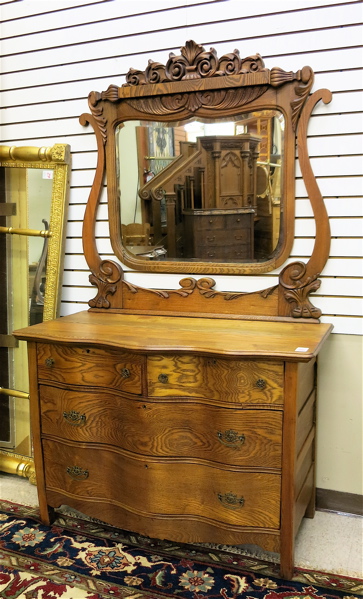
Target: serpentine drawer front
point(175, 429)
point(234, 436)
point(235, 381)
point(89, 366)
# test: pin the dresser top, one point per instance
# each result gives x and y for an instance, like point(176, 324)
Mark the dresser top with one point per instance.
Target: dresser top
point(226, 337)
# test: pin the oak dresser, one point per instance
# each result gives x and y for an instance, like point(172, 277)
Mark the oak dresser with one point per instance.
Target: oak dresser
point(190, 429)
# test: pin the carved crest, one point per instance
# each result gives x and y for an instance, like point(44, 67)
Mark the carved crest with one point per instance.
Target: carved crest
point(195, 62)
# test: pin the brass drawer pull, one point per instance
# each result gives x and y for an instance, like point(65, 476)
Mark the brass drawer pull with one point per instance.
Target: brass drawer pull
point(231, 501)
point(261, 384)
point(163, 378)
point(231, 439)
point(77, 473)
point(211, 238)
point(49, 362)
point(74, 418)
point(125, 373)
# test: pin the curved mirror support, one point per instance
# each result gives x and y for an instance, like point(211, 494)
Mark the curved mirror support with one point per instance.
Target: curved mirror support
point(33, 208)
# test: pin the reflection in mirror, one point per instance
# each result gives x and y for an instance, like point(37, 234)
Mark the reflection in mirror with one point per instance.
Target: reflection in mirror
point(206, 191)
point(34, 186)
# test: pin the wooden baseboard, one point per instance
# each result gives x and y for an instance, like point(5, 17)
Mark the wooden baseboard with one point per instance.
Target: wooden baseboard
point(336, 501)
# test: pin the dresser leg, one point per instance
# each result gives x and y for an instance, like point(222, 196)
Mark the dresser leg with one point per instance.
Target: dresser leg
point(47, 514)
point(287, 565)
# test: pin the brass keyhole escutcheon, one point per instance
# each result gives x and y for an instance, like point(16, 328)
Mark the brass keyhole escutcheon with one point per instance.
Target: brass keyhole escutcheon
point(261, 383)
point(231, 501)
point(74, 418)
point(125, 373)
point(163, 378)
point(49, 362)
point(77, 473)
point(231, 439)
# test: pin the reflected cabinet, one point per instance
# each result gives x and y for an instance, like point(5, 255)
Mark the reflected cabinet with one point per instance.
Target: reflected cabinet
point(189, 413)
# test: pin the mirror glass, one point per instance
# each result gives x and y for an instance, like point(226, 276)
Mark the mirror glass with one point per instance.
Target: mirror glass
point(202, 191)
point(34, 184)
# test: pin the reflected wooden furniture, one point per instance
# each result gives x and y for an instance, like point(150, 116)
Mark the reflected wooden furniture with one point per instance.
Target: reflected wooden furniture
point(136, 234)
point(205, 434)
point(217, 173)
point(219, 235)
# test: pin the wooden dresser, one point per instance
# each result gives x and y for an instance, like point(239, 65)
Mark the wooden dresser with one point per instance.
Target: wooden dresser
point(189, 429)
point(205, 234)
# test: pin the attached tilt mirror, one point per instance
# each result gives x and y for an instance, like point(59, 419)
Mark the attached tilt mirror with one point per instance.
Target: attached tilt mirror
point(200, 162)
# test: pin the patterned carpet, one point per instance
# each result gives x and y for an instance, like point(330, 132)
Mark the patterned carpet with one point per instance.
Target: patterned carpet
point(79, 559)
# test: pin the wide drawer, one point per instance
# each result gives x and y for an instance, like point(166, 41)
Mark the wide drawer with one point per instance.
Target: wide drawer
point(84, 365)
point(231, 436)
point(163, 487)
point(240, 381)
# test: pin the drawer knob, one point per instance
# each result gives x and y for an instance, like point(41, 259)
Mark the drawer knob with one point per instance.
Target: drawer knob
point(49, 362)
point(231, 439)
point(211, 239)
point(77, 473)
point(163, 378)
point(261, 383)
point(231, 501)
point(74, 418)
point(125, 373)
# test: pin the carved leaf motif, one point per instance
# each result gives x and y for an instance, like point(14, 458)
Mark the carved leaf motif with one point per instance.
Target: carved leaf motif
point(222, 99)
point(297, 287)
point(105, 280)
point(194, 62)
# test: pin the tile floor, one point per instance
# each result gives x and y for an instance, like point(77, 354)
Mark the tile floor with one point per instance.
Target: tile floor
point(330, 542)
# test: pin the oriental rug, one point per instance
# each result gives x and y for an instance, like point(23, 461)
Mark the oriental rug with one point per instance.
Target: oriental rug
point(80, 559)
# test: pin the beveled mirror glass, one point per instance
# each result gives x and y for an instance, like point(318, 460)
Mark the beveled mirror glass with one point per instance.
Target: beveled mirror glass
point(203, 190)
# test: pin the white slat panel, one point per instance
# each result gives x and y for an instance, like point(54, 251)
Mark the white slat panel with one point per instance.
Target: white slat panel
point(341, 287)
point(335, 145)
point(256, 26)
point(332, 124)
point(334, 166)
point(76, 262)
point(335, 207)
point(338, 247)
point(17, 10)
point(343, 267)
point(342, 306)
point(78, 16)
point(115, 9)
point(346, 326)
point(333, 187)
point(339, 227)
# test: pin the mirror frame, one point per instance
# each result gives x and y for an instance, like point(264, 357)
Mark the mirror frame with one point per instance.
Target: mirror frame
point(58, 159)
point(197, 84)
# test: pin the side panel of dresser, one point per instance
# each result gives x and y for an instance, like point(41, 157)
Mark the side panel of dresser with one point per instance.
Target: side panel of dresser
point(298, 451)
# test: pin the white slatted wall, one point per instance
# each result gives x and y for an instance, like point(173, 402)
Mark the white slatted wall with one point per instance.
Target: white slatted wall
point(55, 53)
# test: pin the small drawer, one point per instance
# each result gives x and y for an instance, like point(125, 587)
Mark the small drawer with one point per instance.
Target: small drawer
point(233, 436)
point(92, 366)
point(163, 488)
point(235, 381)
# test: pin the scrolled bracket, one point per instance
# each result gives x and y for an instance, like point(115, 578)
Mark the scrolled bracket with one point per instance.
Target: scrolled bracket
point(296, 286)
point(106, 280)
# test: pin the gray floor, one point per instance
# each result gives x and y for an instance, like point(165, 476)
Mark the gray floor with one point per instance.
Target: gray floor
point(330, 542)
